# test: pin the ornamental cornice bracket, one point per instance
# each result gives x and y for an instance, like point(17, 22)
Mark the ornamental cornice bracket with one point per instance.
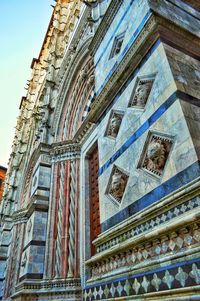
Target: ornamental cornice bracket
point(65, 151)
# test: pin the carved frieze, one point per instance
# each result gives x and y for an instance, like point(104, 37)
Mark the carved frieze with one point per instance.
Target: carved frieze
point(114, 124)
point(156, 153)
point(117, 184)
point(141, 92)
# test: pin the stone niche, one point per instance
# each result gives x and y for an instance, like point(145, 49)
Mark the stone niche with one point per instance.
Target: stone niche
point(141, 92)
point(114, 124)
point(117, 185)
point(155, 154)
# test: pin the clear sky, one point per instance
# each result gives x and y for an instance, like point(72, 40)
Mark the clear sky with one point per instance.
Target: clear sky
point(23, 24)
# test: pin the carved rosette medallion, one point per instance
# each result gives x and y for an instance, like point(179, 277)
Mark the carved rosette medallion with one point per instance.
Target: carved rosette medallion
point(117, 184)
point(141, 92)
point(156, 154)
point(114, 124)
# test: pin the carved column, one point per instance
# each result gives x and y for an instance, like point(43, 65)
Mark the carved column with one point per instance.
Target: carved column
point(58, 255)
point(63, 233)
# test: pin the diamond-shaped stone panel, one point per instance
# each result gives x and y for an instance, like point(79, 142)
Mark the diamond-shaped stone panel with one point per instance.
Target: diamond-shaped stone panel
point(117, 184)
point(117, 45)
point(114, 124)
point(155, 156)
point(141, 92)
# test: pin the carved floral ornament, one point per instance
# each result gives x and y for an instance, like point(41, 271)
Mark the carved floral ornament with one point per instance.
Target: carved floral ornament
point(117, 184)
point(114, 124)
point(141, 92)
point(155, 156)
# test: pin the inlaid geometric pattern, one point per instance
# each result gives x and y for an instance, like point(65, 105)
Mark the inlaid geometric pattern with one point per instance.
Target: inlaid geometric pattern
point(117, 184)
point(176, 241)
point(152, 223)
point(141, 92)
point(186, 274)
point(156, 153)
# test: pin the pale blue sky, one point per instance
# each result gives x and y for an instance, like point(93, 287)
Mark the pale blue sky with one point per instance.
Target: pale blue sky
point(23, 24)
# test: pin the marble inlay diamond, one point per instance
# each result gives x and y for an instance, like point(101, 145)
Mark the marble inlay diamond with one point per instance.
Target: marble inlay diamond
point(141, 92)
point(155, 154)
point(114, 124)
point(117, 185)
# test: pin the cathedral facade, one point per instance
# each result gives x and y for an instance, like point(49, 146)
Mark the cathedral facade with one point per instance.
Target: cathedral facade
point(101, 199)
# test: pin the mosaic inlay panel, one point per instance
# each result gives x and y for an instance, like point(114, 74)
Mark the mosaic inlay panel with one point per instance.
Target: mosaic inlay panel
point(161, 279)
point(174, 242)
point(152, 223)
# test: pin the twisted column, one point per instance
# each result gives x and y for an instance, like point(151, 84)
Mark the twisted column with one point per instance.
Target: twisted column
point(72, 219)
point(58, 258)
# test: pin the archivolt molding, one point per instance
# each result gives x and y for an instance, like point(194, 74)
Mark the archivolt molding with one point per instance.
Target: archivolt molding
point(75, 65)
point(113, 84)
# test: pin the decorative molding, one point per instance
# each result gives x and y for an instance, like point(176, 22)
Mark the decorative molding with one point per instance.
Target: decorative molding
point(48, 285)
point(177, 204)
point(104, 25)
point(22, 215)
point(65, 151)
point(169, 244)
point(185, 274)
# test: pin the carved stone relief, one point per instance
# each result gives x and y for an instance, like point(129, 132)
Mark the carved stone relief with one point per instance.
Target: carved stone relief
point(156, 154)
point(141, 92)
point(117, 45)
point(117, 184)
point(114, 124)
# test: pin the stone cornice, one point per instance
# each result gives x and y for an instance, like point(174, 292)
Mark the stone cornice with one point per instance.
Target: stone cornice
point(156, 234)
point(65, 151)
point(66, 285)
point(105, 24)
point(22, 215)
